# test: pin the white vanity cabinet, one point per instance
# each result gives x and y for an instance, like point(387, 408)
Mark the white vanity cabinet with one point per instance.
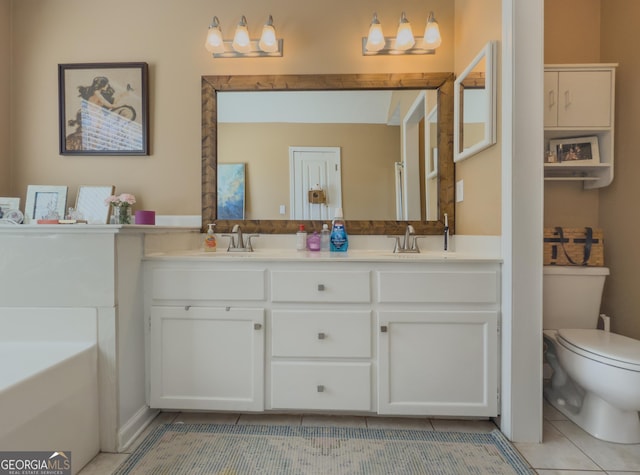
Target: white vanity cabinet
point(206, 345)
point(321, 347)
point(351, 335)
point(438, 340)
point(580, 102)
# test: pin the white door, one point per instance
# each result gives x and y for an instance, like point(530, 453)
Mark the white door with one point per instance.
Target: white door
point(310, 167)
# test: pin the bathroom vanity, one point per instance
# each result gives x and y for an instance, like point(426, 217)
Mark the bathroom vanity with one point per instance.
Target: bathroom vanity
point(287, 331)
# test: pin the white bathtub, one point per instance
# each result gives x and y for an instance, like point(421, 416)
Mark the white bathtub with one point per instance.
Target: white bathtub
point(49, 382)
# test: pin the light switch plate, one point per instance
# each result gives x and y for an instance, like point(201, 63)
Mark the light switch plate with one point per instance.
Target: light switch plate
point(282, 209)
point(459, 191)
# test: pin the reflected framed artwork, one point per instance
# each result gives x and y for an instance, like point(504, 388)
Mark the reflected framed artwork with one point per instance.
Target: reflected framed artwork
point(103, 108)
point(231, 190)
point(45, 202)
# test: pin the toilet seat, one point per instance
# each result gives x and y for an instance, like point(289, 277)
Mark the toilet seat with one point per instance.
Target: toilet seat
point(605, 347)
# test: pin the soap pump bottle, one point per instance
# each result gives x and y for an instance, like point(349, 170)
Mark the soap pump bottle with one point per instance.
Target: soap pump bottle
point(210, 240)
point(301, 238)
point(339, 241)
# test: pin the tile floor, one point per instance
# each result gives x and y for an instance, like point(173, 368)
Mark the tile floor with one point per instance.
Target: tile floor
point(566, 450)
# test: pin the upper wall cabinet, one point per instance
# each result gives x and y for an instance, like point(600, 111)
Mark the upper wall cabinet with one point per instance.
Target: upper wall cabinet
point(579, 122)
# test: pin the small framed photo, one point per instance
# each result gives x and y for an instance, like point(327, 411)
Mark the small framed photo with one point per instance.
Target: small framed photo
point(576, 151)
point(90, 203)
point(44, 202)
point(103, 109)
point(7, 204)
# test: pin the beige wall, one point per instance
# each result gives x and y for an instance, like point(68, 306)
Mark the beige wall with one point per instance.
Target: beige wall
point(368, 153)
point(479, 213)
point(5, 76)
point(170, 38)
point(619, 202)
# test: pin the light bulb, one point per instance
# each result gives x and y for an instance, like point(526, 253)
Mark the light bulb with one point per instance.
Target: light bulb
point(375, 39)
point(214, 43)
point(432, 38)
point(404, 38)
point(241, 42)
point(268, 42)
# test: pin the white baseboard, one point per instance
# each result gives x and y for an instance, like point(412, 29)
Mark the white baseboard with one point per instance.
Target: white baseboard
point(134, 426)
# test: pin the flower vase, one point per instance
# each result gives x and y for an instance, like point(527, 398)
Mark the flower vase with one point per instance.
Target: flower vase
point(121, 215)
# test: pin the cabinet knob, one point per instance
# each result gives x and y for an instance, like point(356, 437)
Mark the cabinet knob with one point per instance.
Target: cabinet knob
point(257, 326)
point(321, 336)
point(383, 329)
point(320, 287)
point(320, 388)
point(187, 307)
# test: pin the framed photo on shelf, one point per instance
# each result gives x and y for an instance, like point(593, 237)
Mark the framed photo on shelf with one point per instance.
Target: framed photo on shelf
point(43, 202)
point(577, 151)
point(7, 204)
point(90, 203)
point(103, 109)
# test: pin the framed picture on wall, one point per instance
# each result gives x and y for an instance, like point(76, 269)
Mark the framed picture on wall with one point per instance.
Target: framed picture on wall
point(231, 190)
point(103, 109)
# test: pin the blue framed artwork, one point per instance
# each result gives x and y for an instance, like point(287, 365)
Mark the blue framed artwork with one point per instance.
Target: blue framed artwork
point(231, 186)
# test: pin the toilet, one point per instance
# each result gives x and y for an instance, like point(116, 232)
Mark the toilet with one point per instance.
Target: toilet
point(596, 373)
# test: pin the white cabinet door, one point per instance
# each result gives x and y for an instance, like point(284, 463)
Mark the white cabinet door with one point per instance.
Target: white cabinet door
point(438, 363)
point(207, 358)
point(578, 99)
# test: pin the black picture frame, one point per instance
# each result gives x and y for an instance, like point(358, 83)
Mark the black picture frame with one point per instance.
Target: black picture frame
point(104, 108)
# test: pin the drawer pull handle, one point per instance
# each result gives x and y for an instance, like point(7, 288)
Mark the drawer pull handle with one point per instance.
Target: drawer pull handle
point(320, 388)
point(320, 287)
point(257, 326)
point(383, 329)
point(187, 307)
point(321, 336)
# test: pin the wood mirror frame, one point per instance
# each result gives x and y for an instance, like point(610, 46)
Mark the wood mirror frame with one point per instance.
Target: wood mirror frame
point(211, 85)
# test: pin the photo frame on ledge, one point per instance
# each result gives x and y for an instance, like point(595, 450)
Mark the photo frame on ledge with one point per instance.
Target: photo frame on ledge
point(103, 109)
point(578, 151)
point(90, 203)
point(43, 201)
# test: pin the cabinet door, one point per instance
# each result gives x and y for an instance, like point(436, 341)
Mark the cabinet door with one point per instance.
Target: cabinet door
point(550, 98)
point(584, 99)
point(442, 363)
point(207, 358)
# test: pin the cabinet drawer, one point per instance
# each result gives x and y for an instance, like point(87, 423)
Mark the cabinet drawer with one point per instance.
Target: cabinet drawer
point(323, 334)
point(330, 386)
point(439, 286)
point(320, 286)
point(208, 284)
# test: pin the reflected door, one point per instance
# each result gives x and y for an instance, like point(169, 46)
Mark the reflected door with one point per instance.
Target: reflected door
point(312, 167)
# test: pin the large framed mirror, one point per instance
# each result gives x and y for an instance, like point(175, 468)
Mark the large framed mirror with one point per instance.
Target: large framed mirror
point(475, 105)
point(230, 136)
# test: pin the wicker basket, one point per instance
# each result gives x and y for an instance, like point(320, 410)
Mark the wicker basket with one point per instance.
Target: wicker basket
point(573, 247)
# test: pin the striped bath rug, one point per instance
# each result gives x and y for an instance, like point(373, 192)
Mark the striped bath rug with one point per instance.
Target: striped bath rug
point(287, 450)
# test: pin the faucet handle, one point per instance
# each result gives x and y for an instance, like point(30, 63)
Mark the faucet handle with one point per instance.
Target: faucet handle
point(396, 244)
point(414, 244)
point(248, 241)
point(232, 240)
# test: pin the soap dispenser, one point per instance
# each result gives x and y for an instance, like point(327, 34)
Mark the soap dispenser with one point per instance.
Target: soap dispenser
point(301, 238)
point(210, 244)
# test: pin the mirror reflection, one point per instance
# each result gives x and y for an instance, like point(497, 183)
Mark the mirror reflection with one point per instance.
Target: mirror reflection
point(475, 105)
point(385, 181)
point(365, 149)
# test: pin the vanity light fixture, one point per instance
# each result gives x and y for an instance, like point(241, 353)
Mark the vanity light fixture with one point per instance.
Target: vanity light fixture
point(404, 42)
point(242, 46)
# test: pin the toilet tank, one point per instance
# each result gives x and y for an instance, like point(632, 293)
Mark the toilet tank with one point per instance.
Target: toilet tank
point(571, 296)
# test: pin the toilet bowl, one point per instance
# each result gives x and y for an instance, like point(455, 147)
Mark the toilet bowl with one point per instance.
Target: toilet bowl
point(596, 381)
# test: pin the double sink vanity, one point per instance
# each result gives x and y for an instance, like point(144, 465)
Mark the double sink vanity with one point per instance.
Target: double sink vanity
point(367, 331)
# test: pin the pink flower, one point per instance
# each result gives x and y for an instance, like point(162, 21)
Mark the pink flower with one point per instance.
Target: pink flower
point(123, 200)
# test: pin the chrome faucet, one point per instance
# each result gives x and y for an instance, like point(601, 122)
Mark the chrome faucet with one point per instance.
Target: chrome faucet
point(410, 243)
point(237, 243)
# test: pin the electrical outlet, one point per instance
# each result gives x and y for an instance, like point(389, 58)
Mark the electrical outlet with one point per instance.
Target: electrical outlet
point(283, 209)
point(459, 191)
